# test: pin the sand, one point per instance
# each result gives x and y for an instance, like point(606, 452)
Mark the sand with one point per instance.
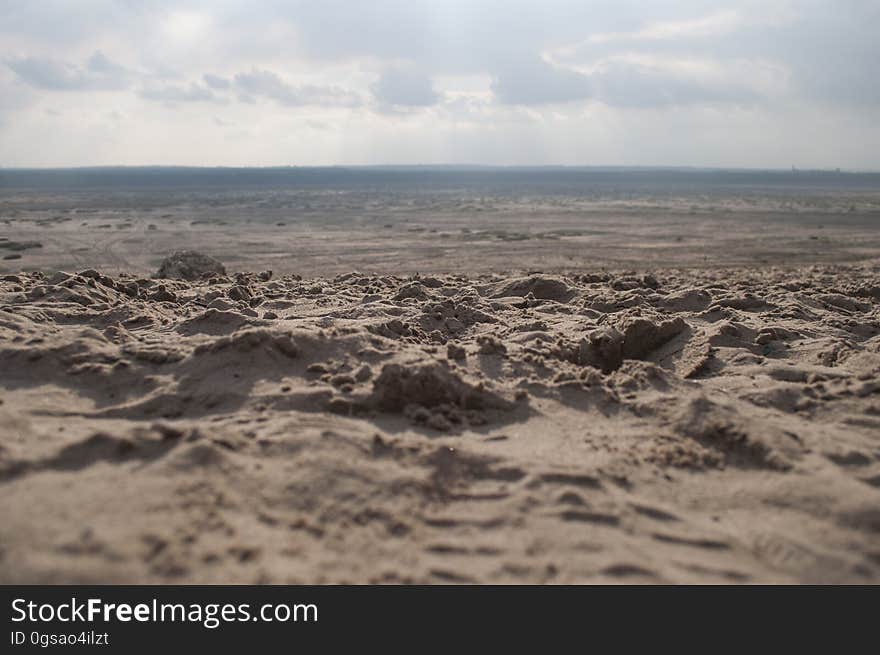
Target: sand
point(405, 231)
point(709, 425)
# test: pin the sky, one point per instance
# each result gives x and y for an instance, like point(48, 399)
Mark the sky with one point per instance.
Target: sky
point(754, 84)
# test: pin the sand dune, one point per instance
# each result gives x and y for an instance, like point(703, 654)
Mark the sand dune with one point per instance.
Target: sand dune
point(678, 426)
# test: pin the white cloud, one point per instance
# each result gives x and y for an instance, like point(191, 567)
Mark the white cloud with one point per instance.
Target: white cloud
point(722, 22)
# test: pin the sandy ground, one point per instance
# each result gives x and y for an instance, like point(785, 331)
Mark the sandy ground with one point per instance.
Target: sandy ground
point(327, 232)
point(628, 387)
point(711, 425)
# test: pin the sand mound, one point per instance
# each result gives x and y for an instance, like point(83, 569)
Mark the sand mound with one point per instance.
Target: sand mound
point(249, 340)
point(631, 337)
point(722, 428)
point(428, 385)
point(539, 286)
point(189, 265)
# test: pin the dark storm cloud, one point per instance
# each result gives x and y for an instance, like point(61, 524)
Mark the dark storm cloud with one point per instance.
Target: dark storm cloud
point(405, 88)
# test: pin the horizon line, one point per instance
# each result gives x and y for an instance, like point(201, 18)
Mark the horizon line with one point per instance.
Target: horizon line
point(618, 167)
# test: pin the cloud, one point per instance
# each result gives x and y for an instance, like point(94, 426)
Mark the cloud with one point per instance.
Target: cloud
point(171, 94)
point(808, 51)
point(536, 82)
point(399, 87)
point(722, 22)
point(216, 82)
point(98, 74)
point(623, 84)
point(267, 84)
point(15, 98)
point(640, 79)
point(827, 51)
point(637, 81)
